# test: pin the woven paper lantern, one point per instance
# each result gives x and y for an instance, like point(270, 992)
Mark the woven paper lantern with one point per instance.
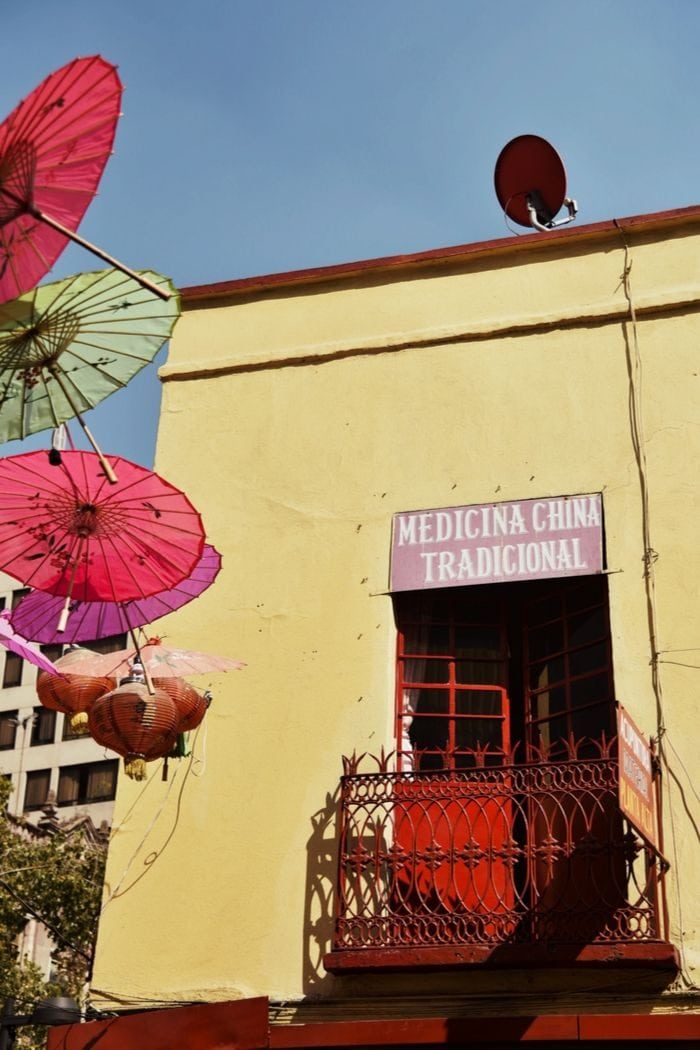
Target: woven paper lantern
point(139, 725)
point(73, 694)
point(190, 704)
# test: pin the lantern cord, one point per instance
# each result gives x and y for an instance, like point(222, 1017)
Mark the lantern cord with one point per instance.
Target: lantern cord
point(153, 856)
point(139, 657)
point(197, 762)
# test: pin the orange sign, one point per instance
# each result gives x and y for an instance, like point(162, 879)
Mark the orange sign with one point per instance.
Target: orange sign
point(636, 785)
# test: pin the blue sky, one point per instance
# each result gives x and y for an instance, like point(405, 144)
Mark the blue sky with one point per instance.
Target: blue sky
point(267, 135)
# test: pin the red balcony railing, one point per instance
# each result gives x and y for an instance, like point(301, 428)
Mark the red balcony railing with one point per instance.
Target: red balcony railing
point(518, 863)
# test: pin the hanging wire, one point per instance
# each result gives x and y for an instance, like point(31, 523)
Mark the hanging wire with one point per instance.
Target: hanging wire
point(650, 557)
point(152, 857)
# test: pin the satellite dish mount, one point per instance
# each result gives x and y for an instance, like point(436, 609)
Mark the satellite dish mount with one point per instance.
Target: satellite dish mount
point(530, 184)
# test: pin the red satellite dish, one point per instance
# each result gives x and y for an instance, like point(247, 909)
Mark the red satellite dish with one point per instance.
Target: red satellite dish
point(530, 183)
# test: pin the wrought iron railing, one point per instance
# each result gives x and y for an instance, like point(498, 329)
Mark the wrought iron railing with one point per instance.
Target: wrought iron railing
point(534, 853)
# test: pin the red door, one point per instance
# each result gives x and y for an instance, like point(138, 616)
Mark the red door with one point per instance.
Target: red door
point(453, 812)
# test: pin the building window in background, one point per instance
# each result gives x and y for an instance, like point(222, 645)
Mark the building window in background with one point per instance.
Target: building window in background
point(12, 675)
point(36, 790)
point(52, 651)
point(8, 730)
point(89, 782)
point(18, 595)
point(43, 726)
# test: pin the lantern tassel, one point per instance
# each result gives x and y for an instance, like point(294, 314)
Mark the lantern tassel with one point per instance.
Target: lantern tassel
point(135, 767)
point(79, 723)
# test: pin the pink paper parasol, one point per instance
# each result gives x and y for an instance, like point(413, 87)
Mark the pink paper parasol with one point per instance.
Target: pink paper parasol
point(22, 647)
point(36, 615)
point(160, 661)
point(53, 149)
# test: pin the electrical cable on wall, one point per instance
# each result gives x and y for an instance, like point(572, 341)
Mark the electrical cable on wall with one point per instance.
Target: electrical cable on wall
point(649, 558)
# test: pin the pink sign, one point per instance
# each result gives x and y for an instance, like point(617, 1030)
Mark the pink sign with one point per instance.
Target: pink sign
point(532, 539)
point(636, 790)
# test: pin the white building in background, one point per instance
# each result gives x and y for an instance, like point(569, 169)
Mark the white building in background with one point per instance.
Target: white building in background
point(44, 760)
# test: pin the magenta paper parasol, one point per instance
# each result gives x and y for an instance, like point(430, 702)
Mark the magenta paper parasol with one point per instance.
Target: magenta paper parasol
point(36, 615)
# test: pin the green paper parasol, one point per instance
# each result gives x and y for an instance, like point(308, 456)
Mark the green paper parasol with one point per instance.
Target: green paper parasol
point(66, 346)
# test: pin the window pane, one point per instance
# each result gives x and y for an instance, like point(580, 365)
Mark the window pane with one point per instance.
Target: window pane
point(426, 670)
point(52, 652)
point(44, 727)
point(427, 638)
point(431, 701)
point(587, 627)
point(484, 672)
point(546, 640)
point(68, 785)
point(102, 781)
point(8, 729)
point(476, 733)
point(545, 609)
point(548, 703)
point(112, 644)
point(589, 690)
point(589, 659)
point(18, 595)
point(592, 721)
point(12, 675)
point(547, 733)
point(68, 732)
point(477, 641)
point(429, 733)
point(585, 594)
point(478, 702)
point(90, 782)
point(37, 788)
point(547, 672)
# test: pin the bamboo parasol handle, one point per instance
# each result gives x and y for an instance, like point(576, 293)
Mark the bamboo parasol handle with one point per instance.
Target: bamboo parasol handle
point(163, 293)
point(106, 466)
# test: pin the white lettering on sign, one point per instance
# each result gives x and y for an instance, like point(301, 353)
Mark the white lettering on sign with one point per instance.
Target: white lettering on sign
point(558, 557)
point(495, 520)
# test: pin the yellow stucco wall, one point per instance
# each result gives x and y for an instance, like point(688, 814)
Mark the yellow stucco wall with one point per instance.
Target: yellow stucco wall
point(299, 419)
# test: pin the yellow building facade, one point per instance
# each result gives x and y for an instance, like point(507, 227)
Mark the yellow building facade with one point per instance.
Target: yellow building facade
point(309, 416)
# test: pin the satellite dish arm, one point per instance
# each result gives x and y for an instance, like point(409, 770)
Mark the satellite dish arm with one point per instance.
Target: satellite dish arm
point(571, 207)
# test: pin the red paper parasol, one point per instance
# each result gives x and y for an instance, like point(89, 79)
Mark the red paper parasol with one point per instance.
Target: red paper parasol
point(36, 615)
point(53, 149)
point(22, 647)
point(66, 530)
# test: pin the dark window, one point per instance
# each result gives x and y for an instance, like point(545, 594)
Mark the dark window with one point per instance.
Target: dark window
point(37, 788)
point(90, 782)
point(43, 726)
point(68, 733)
point(480, 669)
point(18, 595)
point(12, 675)
point(8, 730)
point(112, 644)
point(52, 651)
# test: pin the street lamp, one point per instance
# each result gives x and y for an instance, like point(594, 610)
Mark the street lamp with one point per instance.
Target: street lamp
point(57, 1010)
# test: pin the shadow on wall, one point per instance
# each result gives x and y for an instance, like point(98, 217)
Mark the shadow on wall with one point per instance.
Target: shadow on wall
point(321, 875)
